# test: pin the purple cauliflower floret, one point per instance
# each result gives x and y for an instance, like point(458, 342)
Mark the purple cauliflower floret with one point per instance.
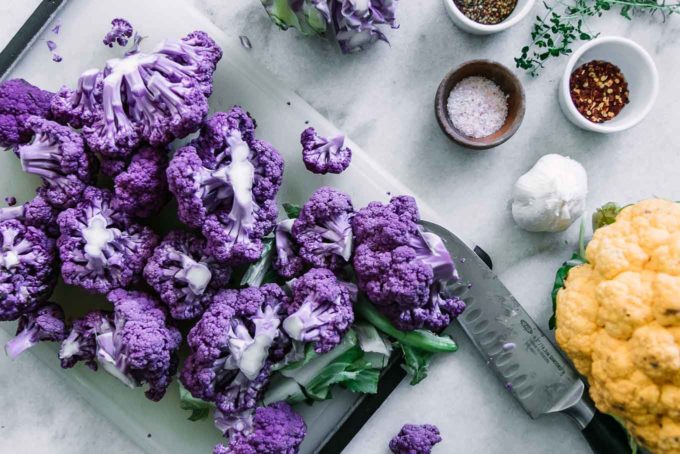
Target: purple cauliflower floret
point(323, 231)
point(150, 98)
point(81, 342)
point(136, 343)
point(415, 439)
point(120, 33)
point(45, 323)
point(82, 106)
point(225, 182)
point(275, 429)
point(402, 268)
point(357, 23)
point(197, 54)
point(35, 213)
point(185, 277)
point(18, 101)
point(101, 248)
point(288, 262)
point(231, 347)
point(321, 311)
point(141, 190)
point(322, 155)
point(27, 268)
point(58, 155)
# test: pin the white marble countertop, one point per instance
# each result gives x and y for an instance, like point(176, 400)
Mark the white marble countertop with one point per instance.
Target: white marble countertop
point(383, 99)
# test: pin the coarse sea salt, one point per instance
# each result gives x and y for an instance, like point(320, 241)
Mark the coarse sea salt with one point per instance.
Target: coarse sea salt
point(477, 107)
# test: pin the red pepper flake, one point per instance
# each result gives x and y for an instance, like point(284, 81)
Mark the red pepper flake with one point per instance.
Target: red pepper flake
point(598, 90)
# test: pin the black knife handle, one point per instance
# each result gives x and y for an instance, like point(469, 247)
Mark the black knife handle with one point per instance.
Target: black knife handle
point(606, 436)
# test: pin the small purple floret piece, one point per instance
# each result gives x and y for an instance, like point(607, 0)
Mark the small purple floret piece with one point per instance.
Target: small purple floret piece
point(322, 155)
point(415, 439)
point(120, 33)
point(45, 323)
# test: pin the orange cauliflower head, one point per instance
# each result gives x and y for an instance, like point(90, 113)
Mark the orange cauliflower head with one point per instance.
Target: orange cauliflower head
point(618, 319)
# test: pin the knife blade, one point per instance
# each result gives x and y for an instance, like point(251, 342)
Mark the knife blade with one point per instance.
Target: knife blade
point(523, 358)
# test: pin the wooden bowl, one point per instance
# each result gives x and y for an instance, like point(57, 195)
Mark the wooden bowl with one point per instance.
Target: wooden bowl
point(505, 79)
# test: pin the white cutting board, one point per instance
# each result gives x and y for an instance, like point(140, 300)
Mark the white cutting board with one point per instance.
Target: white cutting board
point(281, 116)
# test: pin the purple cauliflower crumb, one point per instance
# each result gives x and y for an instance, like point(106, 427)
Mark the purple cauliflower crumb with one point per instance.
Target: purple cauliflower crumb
point(101, 248)
point(82, 106)
point(184, 276)
point(232, 347)
point(135, 343)
point(11, 200)
point(321, 311)
point(403, 269)
point(58, 155)
point(45, 323)
point(323, 231)
point(415, 439)
point(288, 262)
point(141, 190)
point(27, 268)
point(225, 182)
point(275, 429)
point(120, 33)
point(57, 58)
point(19, 100)
point(322, 155)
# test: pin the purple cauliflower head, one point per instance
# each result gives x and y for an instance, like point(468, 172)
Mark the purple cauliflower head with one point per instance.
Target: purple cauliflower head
point(58, 155)
point(136, 343)
point(322, 155)
point(101, 248)
point(357, 24)
point(321, 311)
point(232, 346)
point(27, 268)
point(275, 429)
point(185, 277)
point(82, 106)
point(154, 98)
point(141, 190)
point(225, 182)
point(18, 101)
point(402, 268)
point(288, 262)
point(415, 439)
point(120, 33)
point(45, 323)
point(323, 231)
point(35, 213)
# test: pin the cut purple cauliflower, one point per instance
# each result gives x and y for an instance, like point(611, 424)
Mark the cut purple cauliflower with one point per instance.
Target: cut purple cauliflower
point(18, 101)
point(27, 268)
point(323, 231)
point(35, 213)
point(225, 182)
point(141, 189)
point(288, 263)
point(135, 343)
point(233, 345)
point(357, 24)
point(275, 429)
point(321, 311)
point(322, 155)
point(151, 98)
point(184, 276)
point(45, 323)
point(58, 155)
point(82, 106)
point(101, 248)
point(415, 439)
point(403, 269)
point(120, 33)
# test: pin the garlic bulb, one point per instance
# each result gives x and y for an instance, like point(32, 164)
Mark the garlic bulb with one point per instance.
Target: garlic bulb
point(550, 196)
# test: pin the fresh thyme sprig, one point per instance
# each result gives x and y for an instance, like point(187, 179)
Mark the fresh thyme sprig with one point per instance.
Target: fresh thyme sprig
point(565, 22)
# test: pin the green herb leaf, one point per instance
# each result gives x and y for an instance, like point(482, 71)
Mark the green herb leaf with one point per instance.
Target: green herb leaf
point(416, 363)
point(261, 272)
point(605, 215)
point(199, 409)
point(292, 210)
point(577, 259)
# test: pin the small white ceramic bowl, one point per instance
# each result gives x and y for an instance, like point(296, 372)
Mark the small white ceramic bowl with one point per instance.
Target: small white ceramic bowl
point(637, 67)
point(522, 8)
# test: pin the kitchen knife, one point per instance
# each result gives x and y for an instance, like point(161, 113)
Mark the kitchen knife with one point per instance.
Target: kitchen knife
point(522, 357)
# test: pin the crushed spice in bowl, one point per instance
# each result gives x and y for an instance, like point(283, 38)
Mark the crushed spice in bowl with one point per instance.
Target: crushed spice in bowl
point(598, 90)
point(486, 12)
